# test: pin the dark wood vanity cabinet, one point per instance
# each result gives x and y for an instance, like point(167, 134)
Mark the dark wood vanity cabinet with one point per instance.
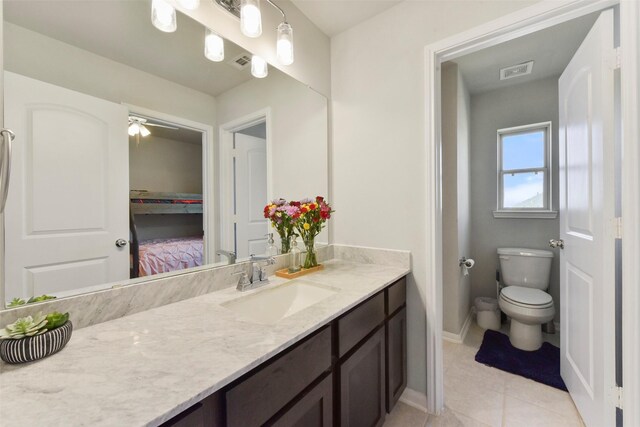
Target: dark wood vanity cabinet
point(396, 339)
point(347, 374)
point(362, 384)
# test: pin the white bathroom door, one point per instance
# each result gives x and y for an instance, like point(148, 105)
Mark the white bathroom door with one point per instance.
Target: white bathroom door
point(68, 194)
point(250, 195)
point(586, 96)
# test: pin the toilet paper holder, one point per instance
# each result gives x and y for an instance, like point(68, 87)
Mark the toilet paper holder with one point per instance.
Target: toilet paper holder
point(466, 262)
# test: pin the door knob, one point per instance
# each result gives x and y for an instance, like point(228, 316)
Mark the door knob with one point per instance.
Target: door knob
point(556, 243)
point(121, 243)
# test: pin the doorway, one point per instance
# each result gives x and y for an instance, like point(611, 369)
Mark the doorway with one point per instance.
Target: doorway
point(244, 184)
point(531, 20)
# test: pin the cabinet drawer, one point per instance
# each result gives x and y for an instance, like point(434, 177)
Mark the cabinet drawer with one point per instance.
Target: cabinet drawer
point(357, 324)
point(397, 295)
point(259, 397)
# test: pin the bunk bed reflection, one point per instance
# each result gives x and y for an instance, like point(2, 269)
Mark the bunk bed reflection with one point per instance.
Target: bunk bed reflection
point(161, 255)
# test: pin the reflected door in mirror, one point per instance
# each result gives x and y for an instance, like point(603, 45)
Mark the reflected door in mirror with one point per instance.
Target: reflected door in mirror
point(68, 194)
point(250, 194)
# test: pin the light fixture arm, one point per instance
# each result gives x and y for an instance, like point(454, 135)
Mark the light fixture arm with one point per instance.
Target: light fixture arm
point(284, 16)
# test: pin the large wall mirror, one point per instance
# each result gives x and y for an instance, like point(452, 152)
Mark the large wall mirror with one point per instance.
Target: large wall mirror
point(137, 156)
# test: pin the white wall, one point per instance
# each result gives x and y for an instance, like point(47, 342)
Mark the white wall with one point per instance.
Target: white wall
point(455, 197)
point(312, 46)
point(528, 103)
point(378, 143)
point(160, 164)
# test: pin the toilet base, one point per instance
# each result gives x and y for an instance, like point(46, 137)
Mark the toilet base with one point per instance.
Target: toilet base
point(525, 337)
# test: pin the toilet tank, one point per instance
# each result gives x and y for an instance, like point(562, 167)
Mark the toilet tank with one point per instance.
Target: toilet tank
point(529, 268)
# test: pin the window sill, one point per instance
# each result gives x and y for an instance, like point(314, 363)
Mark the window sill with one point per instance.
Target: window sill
point(526, 214)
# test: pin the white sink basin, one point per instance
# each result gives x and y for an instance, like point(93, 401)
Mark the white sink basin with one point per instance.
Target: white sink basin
point(271, 305)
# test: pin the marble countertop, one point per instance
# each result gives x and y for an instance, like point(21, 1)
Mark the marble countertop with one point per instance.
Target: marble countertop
point(143, 369)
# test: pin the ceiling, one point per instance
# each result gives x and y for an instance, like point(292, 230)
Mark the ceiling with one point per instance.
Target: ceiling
point(121, 30)
point(336, 16)
point(550, 49)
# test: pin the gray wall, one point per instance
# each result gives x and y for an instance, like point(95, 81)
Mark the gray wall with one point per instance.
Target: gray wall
point(528, 103)
point(455, 197)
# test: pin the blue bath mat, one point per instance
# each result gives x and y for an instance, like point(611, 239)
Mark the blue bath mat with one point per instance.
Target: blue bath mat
point(542, 365)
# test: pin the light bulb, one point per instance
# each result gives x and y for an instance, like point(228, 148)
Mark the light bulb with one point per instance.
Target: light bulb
point(259, 67)
point(213, 46)
point(189, 4)
point(163, 16)
point(134, 129)
point(144, 131)
point(284, 45)
point(250, 18)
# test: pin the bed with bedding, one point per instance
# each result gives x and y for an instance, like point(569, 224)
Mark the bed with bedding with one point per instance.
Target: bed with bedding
point(154, 256)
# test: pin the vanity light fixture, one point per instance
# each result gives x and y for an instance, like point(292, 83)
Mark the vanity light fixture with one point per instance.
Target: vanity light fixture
point(284, 44)
point(251, 25)
point(213, 46)
point(250, 18)
point(259, 67)
point(163, 16)
point(189, 4)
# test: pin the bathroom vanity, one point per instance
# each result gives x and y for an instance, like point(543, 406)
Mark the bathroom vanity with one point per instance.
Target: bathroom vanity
point(340, 361)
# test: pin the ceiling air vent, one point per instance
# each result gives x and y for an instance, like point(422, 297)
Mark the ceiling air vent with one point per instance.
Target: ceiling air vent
point(241, 61)
point(516, 70)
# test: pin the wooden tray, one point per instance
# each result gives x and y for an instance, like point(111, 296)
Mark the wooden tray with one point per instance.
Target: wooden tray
point(285, 272)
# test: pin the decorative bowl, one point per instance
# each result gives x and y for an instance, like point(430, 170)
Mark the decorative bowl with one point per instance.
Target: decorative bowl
point(37, 347)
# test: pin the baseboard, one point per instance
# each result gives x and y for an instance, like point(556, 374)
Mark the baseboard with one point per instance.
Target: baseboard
point(415, 399)
point(459, 338)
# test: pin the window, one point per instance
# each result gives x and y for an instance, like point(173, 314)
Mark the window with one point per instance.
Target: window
point(524, 172)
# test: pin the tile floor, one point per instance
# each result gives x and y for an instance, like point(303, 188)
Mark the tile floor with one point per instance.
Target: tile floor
point(479, 396)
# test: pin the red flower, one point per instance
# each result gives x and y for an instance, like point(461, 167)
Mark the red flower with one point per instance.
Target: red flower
point(319, 199)
point(316, 219)
point(297, 204)
point(324, 214)
point(304, 209)
point(313, 206)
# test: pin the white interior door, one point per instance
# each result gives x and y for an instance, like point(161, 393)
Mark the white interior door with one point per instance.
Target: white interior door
point(68, 195)
point(586, 225)
point(250, 195)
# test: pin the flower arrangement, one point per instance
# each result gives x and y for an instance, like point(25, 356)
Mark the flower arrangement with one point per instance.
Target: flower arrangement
point(282, 217)
point(305, 218)
point(313, 216)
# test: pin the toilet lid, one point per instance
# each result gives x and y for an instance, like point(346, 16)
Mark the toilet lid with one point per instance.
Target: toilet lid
point(527, 296)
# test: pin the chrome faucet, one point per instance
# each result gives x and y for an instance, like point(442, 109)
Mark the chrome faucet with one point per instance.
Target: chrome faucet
point(258, 273)
point(231, 256)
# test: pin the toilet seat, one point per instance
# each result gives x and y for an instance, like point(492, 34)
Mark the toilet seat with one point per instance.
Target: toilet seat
point(526, 297)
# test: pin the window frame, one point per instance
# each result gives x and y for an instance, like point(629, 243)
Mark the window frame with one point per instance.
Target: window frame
point(547, 210)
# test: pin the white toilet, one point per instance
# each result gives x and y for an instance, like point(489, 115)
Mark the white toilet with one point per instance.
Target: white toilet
point(525, 272)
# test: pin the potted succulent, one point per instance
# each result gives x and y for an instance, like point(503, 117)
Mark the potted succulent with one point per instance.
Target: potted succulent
point(34, 337)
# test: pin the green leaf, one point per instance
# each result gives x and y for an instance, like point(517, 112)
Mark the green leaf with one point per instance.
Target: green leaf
point(56, 319)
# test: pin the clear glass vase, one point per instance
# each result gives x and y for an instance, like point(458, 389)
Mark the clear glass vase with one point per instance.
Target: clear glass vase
point(285, 243)
point(310, 259)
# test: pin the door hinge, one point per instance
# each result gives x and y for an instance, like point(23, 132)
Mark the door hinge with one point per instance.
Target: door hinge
point(617, 397)
point(616, 63)
point(617, 225)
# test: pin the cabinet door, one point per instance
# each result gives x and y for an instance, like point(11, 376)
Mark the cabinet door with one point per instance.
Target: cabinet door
point(362, 384)
point(315, 409)
point(396, 357)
